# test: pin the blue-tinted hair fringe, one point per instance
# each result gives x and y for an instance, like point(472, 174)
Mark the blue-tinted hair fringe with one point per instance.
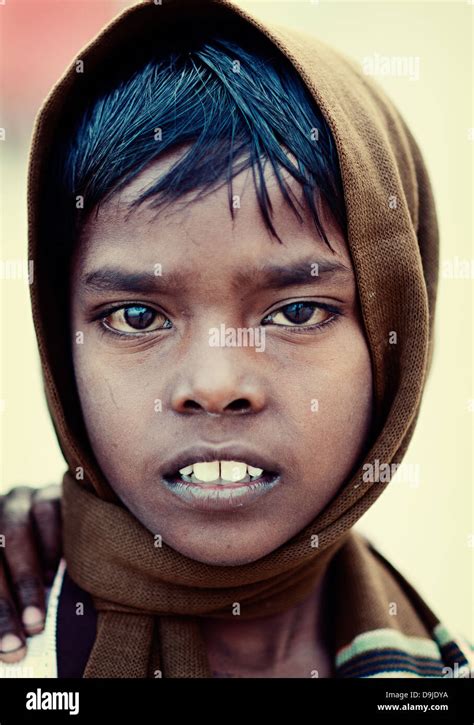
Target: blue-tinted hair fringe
point(239, 103)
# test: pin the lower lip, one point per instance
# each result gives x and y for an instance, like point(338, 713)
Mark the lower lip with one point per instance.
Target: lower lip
point(221, 497)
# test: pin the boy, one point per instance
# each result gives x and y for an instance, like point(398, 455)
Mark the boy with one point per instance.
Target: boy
point(193, 191)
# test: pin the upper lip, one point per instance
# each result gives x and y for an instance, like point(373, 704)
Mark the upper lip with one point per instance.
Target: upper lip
point(228, 452)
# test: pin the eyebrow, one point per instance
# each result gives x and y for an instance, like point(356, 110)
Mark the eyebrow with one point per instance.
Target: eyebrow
point(303, 272)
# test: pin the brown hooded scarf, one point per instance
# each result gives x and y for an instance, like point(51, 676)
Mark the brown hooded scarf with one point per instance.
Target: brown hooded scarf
point(149, 603)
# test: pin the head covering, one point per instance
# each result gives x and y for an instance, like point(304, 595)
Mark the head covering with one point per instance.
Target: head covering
point(150, 599)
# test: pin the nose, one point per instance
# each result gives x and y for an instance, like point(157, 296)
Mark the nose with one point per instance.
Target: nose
point(219, 383)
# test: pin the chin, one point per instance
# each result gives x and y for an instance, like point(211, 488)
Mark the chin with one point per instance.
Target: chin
point(219, 555)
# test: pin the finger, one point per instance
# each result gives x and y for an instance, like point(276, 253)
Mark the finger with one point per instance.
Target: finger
point(46, 513)
point(23, 564)
point(12, 638)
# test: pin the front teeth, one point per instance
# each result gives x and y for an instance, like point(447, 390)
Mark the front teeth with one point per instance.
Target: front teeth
point(231, 471)
point(207, 472)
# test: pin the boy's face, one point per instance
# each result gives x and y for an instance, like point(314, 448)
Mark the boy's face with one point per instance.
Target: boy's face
point(296, 402)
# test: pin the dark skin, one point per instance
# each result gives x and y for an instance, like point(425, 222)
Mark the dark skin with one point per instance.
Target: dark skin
point(290, 644)
point(30, 521)
point(228, 395)
point(298, 647)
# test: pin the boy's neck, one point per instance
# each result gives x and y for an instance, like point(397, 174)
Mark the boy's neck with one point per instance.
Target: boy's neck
point(290, 644)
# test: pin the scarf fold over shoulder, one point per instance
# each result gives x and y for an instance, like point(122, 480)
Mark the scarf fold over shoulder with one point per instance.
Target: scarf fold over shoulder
point(150, 598)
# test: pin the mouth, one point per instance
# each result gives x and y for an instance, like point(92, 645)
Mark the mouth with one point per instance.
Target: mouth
point(219, 479)
point(221, 473)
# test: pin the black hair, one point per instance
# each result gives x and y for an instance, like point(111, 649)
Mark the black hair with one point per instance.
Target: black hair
point(239, 103)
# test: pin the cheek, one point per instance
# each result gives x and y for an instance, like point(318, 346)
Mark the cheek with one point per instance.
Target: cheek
point(118, 408)
point(346, 398)
point(331, 402)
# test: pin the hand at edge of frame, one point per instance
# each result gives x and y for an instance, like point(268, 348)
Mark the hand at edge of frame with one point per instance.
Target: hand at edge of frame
point(30, 552)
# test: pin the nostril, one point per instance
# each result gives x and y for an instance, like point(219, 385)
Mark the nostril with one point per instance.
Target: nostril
point(239, 404)
point(191, 405)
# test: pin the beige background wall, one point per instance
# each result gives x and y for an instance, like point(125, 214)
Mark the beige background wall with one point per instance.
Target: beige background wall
point(425, 527)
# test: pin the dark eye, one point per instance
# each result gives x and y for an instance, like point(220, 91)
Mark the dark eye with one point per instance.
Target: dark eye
point(299, 313)
point(138, 318)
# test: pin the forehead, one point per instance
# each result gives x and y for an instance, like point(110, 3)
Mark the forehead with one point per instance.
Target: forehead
point(201, 233)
